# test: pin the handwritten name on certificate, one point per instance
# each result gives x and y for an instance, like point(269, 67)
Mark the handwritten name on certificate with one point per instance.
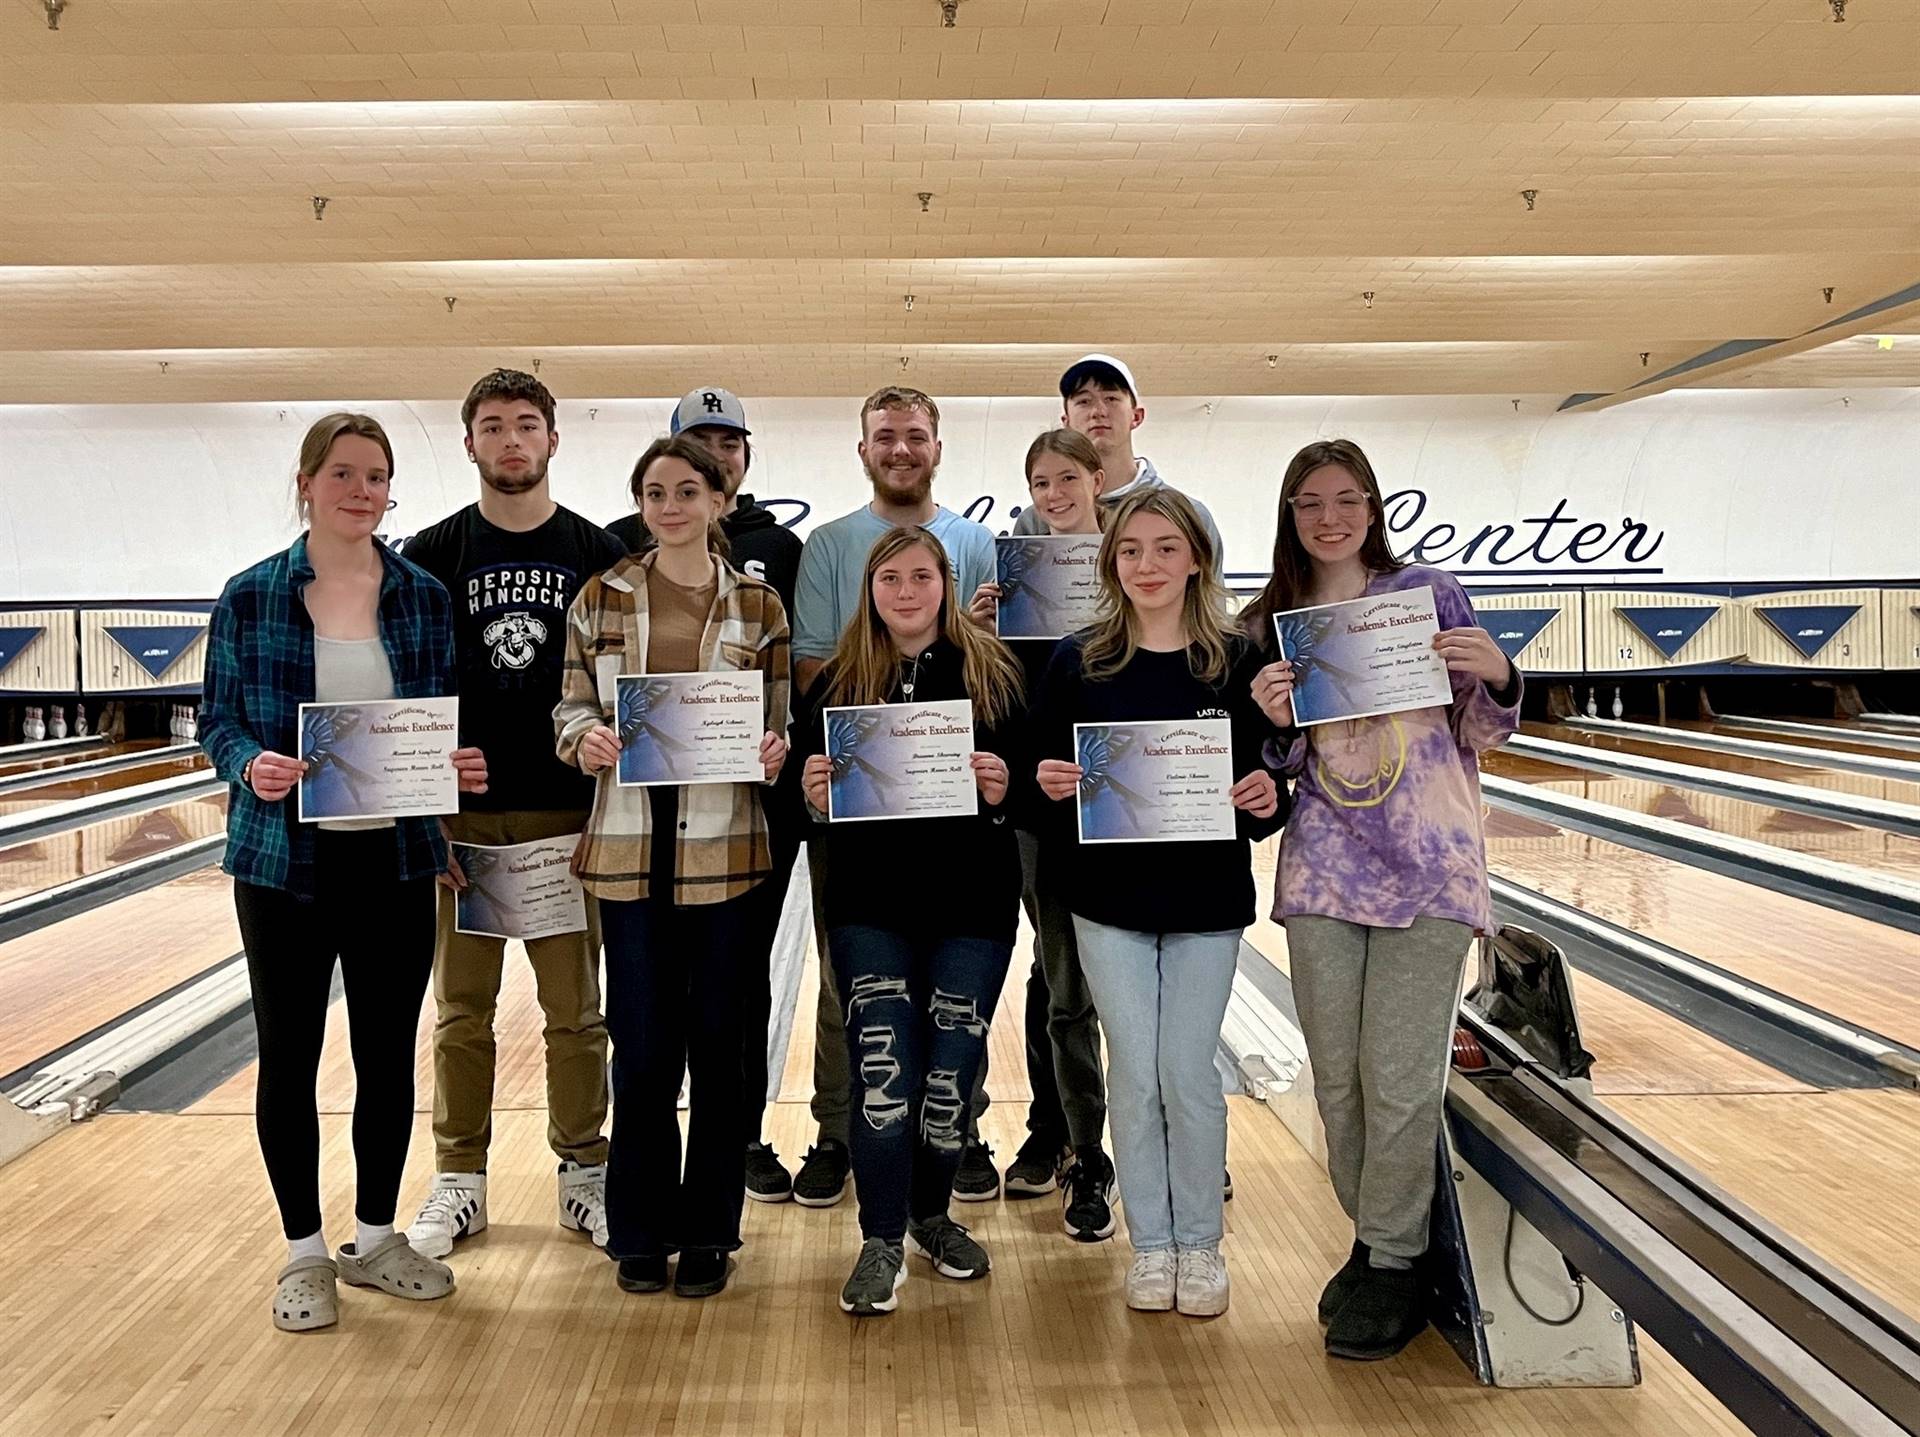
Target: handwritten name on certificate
point(1049, 585)
point(690, 728)
point(1155, 782)
point(1364, 657)
point(901, 761)
point(520, 890)
point(383, 758)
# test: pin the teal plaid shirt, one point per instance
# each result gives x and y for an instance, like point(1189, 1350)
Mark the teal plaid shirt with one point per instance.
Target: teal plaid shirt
point(260, 670)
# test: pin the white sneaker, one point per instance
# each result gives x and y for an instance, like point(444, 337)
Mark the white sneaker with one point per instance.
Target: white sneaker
point(583, 1200)
point(1202, 1282)
point(455, 1207)
point(1150, 1281)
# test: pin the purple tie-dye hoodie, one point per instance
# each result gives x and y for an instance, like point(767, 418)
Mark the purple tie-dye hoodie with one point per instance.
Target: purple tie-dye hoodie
point(1386, 811)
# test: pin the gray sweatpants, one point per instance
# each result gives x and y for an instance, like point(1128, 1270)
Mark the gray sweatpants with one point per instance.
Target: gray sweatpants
point(1377, 1006)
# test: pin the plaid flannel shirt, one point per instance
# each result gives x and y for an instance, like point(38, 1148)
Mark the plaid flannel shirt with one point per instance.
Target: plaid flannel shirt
point(721, 850)
point(260, 670)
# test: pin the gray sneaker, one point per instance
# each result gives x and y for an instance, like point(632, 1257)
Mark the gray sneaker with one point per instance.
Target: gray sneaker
point(949, 1247)
point(878, 1273)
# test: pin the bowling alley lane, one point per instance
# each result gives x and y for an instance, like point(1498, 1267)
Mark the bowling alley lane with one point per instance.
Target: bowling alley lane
point(1843, 739)
point(62, 857)
point(1871, 848)
point(19, 762)
point(57, 789)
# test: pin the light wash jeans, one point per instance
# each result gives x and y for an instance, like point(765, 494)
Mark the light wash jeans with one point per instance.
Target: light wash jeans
point(1161, 999)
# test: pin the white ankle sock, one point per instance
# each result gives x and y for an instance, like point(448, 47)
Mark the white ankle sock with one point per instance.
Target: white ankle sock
point(367, 1235)
point(299, 1247)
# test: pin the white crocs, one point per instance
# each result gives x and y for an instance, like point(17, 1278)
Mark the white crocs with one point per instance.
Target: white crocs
point(393, 1266)
point(306, 1296)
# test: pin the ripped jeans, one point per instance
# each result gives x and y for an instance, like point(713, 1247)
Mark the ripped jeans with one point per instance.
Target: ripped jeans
point(917, 1011)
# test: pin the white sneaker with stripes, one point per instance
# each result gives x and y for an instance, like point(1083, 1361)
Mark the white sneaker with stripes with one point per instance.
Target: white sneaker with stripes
point(583, 1200)
point(455, 1207)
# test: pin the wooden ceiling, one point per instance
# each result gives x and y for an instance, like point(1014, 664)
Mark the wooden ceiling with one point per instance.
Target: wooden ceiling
point(645, 195)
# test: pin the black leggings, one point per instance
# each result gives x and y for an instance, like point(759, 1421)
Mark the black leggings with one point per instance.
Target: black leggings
point(381, 930)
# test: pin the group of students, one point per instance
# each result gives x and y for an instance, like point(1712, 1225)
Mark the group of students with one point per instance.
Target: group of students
point(530, 613)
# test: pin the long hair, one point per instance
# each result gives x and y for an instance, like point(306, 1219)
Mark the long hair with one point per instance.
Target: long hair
point(1292, 578)
point(1070, 445)
point(865, 664)
point(702, 463)
point(319, 443)
point(1113, 638)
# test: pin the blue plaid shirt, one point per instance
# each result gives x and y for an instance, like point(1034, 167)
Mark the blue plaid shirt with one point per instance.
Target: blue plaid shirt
point(260, 670)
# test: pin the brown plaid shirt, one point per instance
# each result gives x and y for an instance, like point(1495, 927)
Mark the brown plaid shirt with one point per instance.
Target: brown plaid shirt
point(722, 847)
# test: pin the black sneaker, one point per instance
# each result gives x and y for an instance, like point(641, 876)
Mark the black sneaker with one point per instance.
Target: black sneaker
point(1036, 1168)
point(1344, 1283)
point(824, 1174)
point(767, 1180)
point(642, 1274)
point(1383, 1315)
point(949, 1247)
point(1086, 1197)
point(978, 1180)
point(702, 1272)
point(874, 1287)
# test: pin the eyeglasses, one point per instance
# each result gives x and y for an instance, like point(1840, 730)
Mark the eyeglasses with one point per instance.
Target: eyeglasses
point(1348, 505)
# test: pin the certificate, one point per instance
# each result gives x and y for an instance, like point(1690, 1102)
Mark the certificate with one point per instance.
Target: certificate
point(1364, 657)
point(520, 890)
point(379, 758)
point(901, 761)
point(1168, 780)
point(690, 728)
point(1049, 585)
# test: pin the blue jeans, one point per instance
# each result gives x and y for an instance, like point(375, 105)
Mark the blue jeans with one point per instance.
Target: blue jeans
point(675, 975)
point(917, 1013)
point(1161, 999)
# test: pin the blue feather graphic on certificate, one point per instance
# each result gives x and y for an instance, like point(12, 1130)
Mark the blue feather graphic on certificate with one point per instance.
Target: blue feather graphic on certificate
point(1365, 657)
point(1154, 782)
point(689, 728)
point(519, 890)
point(381, 758)
point(1049, 584)
point(911, 760)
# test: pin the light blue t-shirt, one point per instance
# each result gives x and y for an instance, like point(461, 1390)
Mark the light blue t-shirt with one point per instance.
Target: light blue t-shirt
point(827, 593)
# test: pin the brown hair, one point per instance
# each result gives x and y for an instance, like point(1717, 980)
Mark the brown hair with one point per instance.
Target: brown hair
point(319, 443)
point(1205, 611)
point(865, 663)
point(503, 385)
point(898, 396)
point(1292, 578)
point(702, 463)
point(1069, 444)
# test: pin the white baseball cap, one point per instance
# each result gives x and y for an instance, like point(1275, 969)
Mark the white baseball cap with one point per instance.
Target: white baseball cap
point(709, 408)
point(1097, 367)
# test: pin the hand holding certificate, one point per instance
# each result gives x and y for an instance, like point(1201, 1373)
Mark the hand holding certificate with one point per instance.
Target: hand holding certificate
point(386, 758)
point(1368, 656)
point(520, 890)
point(1049, 585)
point(690, 728)
point(901, 761)
point(1155, 782)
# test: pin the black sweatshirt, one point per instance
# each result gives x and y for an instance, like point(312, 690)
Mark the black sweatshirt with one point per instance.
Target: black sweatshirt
point(1202, 887)
point(923, 876)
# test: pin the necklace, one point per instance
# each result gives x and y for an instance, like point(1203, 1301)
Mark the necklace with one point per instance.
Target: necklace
point(912, 678)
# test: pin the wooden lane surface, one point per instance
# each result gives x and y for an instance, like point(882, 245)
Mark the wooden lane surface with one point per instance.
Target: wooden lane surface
point(9, 766)
point(68, 979)
point(1891, 853)
point(61, 857)
point(156, 1323)
point(58, 790)
point(1864, 785)
point(1842, 741)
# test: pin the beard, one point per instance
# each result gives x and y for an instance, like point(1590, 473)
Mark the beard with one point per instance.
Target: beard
point(506, 482)
point(894, 486)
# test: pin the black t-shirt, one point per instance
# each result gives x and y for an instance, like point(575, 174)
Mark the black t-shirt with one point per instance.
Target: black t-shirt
point(510, 597)
point(1202, 887)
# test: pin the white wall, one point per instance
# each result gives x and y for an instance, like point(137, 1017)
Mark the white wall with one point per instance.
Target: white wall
point(120, 501)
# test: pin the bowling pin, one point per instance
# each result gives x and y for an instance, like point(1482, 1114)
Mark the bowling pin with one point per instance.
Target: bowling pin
point(193, 723)
point(80, 720)
point(1618, 707)
point(58, 728)
point(36, 726)
point(1593, 708)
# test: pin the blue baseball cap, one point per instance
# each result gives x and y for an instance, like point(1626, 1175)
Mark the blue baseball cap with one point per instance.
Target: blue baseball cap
point(711, 409)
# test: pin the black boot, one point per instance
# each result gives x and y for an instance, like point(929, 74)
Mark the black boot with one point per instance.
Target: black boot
point(1383, 1315)
point(702, 1273)
point(642, 1274)
point(1344, 1283)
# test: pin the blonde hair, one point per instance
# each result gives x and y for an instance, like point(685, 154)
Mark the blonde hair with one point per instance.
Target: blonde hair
point(1070, 445)
point(898, 396)
point(865, 664)
point(319, 443)
point(1205, 612)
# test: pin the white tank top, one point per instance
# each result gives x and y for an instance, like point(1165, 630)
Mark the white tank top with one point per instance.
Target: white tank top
point(345, 670)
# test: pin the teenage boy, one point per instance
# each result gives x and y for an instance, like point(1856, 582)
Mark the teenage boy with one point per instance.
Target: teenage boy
point(900, 450)
point(759, 545)
point(513, 562)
